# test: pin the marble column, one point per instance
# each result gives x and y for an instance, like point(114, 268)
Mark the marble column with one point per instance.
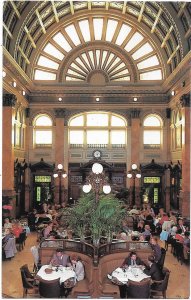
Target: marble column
point(185, 192)
point(135, 151)
point(9, 101)
point(60, 142)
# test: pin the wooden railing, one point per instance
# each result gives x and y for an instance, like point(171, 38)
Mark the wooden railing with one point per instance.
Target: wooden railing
point(96, 252)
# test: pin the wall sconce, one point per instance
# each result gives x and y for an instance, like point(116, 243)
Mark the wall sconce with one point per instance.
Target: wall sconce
point(14, 83)
point(23, 92)
point(173, 93)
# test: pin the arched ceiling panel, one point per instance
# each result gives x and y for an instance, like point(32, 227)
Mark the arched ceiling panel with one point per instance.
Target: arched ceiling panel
point(165, 22)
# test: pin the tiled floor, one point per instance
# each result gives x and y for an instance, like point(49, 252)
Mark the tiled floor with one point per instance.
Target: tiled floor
point(178, 287)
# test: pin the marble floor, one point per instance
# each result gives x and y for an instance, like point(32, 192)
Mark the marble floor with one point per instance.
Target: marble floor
point(178, 287)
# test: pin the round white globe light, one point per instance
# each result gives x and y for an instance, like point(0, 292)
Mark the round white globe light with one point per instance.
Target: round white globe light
point(55, 175)
point(129, 175)
point(64, 175)
point(106, 189)
point(138, 175)
point(97, 168)
point(134, 166)
point(86, 188)
point(60, 166)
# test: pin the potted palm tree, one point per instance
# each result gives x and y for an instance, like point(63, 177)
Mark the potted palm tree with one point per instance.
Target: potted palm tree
point(104, 216)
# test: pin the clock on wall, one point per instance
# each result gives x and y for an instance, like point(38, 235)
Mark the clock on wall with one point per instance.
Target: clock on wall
point(97, 154)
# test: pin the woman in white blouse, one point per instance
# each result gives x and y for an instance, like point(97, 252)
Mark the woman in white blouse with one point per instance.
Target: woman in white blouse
point(78, 267)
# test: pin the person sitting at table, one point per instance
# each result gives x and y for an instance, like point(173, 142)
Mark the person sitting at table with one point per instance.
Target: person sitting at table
point(8, 235)
point(147, 232)
point(153, 269)
point(17, 229)
point(7, 224)
point(59, 258)
point(132, 260)
point(48, 229)
point(51, 241)
point(179, 237)
point(78, 267)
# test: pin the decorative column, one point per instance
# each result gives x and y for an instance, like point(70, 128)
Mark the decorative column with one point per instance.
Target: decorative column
point(60, 142)
point(185, 192)
point(28, 201)
point(9, 101)
point(135, 150)
point(167, 171)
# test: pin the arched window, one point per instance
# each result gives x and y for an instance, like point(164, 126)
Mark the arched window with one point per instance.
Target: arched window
point(152, 133)
point(17, 129)
point(42, 133)
point(178, 130)
point(97, 129)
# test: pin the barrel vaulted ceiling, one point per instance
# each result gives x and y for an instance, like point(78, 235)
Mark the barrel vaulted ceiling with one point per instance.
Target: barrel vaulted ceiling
point(97, 42)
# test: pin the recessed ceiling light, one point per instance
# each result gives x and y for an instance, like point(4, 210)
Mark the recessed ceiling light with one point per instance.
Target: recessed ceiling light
point(97, 99)
point(4, 74)
point(173, 93)
point(59, 99)
point(14, 83)
point(135, 99)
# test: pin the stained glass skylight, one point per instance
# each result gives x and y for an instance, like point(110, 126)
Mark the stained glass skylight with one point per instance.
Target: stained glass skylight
point(152, 75)
point(123, 33)
point(100, 29)
point(149, 62)
point(62, 42)
point(50, 49)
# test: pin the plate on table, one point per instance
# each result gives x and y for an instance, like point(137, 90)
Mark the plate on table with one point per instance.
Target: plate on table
point(48, 271)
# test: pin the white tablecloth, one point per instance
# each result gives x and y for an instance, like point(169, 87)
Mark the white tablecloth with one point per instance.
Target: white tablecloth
point(132, 273)
point(63, 273)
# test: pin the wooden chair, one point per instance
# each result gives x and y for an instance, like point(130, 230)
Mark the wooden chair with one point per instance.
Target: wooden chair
point(49, 288)
point(21, 240)
point(28, 283)
point(162, 258)
point(138, 290)
point(158, 288)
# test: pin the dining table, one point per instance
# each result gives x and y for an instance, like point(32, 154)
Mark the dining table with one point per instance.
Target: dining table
point(133, 273)
point(56, 272)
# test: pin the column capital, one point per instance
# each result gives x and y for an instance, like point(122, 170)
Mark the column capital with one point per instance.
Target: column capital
point(60, 112)
point(27, 112)
point(9, 100)
point(185, 100)
point(135, 113)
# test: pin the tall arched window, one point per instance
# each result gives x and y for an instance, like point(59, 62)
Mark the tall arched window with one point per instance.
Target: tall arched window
point(17, 129)
point(97, 129)
point(42, 133)
point(152, 133)
point(178, 130)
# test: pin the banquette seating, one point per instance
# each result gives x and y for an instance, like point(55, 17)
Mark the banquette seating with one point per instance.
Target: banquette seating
point(83, 287)
point(107, 265)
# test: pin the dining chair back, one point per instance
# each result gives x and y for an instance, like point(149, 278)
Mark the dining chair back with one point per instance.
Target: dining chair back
point(49, 288)
point(162, 258)
point(27, 283)
point(138, 290)
point(160, 287)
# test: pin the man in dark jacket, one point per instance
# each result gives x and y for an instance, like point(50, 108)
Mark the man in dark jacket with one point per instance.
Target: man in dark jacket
point(154, 270)
point(132, 260)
